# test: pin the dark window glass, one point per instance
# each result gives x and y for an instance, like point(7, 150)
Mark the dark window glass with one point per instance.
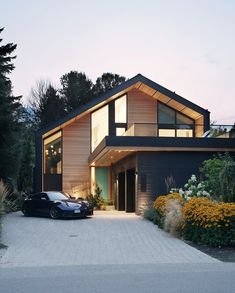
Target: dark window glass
point(165, 114)
point(181, 119)
point(172, 123)
point(57, 196)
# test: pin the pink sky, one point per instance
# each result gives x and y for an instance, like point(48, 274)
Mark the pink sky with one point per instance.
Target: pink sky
point(186, 46)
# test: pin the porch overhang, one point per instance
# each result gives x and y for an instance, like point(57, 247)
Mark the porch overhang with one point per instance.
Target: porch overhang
point(114, 148)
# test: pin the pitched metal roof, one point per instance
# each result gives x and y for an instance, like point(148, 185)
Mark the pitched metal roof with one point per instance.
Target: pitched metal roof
point(122, 87)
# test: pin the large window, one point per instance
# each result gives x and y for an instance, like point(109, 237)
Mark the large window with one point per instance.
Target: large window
point(173, 124)
point(120, 115)
point(120, 110)
point(99, 126)
point(53, 154)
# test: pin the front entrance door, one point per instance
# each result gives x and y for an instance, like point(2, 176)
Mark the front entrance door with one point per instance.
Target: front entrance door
point(130, 196)
point(121, 191)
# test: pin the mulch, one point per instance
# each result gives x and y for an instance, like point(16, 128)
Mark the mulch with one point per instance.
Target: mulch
point(225, 254)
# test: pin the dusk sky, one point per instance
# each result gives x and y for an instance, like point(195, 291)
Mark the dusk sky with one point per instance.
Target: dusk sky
point(187, 46)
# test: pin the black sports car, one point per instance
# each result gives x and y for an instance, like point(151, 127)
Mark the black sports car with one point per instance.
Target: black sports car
point(56, 205)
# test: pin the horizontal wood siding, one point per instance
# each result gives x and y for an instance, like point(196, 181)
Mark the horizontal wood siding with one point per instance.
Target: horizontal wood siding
point(141, 108)
point(76, 150)
point(199, 127)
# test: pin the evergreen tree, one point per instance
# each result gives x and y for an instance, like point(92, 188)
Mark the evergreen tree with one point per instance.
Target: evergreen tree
point(25, 178)
point(77, 89)
point(106, 82)
point(10, 110)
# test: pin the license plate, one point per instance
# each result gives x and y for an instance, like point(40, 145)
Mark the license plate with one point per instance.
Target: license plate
point(77, 212)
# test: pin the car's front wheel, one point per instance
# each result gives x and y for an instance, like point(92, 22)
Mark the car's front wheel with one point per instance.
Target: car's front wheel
point(54, 214)
point(25, 211)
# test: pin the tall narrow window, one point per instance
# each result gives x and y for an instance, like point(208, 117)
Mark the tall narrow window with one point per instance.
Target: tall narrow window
point(53, 154)
point(120, 110)
point(120, 115)
point(99, 126)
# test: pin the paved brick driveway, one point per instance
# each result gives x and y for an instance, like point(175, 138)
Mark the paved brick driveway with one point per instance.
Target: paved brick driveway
point(107, 238)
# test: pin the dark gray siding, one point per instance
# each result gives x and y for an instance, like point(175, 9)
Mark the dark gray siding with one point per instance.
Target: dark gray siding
point(158, 165)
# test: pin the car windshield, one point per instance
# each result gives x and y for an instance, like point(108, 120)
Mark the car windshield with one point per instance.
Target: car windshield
point(57, 196)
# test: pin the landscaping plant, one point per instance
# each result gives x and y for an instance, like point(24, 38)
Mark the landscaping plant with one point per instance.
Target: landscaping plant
point(214, 173)
point(168, 208)
point(96, 200)
point(194, 188)
point(209, 222)
point(227, 182)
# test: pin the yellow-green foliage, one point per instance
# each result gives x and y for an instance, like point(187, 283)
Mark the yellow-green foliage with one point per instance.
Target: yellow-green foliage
point(161, 201)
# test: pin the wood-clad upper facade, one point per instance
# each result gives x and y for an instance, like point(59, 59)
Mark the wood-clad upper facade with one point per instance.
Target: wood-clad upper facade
point(135, 117)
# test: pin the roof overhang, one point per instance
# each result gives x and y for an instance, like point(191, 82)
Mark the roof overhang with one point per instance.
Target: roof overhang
point(138, 82)
point(114, 148)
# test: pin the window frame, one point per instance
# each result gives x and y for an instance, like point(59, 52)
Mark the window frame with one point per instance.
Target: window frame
point(91, 135)
point(118, 124)
point(44, 152)
point(176, 125)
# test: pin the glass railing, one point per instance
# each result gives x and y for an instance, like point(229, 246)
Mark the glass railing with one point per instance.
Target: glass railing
point(180, 130)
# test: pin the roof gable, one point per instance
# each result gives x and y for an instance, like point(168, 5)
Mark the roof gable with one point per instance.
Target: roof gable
point(140, 82)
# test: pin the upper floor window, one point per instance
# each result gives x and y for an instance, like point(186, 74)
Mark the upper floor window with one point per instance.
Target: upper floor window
point(53, 154)
point(172, 123)
point(120, 115)
point(99, 126)
point(120, 110)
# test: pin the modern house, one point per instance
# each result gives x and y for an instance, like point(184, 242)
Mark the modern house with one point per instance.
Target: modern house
point(127, 141)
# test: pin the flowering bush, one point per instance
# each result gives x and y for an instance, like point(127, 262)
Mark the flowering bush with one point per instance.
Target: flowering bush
point(161, 201)
point(168, 208)
point(194, 188)
point(209, 222)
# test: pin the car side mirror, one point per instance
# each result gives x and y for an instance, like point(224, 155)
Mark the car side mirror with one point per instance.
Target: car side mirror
point(72, 197)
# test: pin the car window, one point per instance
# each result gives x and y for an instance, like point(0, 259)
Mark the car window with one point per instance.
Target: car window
point(44, 196)
point(39, 196)
point(36, 196)
point(57, 196)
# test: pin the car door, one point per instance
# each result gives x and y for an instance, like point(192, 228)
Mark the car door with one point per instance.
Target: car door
point(33, 203)
point(43, 204)
point(39, 204)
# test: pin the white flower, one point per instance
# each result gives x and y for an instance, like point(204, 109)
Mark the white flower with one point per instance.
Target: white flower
point(199, 185)
point(188, 192)
point(205, 193)
point(193, 178)
point(186, 185)
point(181, 192)
point(199, 193)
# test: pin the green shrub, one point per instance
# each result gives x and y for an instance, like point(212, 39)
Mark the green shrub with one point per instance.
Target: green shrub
point(152, 215)
point(96, 200)
point(211, 169)
point(227, 182)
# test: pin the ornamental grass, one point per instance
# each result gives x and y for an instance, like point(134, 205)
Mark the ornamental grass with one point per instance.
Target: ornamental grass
point(168, 209)
point(161, 202)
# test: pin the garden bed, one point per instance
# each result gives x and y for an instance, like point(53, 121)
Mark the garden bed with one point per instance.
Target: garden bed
point(225, 254)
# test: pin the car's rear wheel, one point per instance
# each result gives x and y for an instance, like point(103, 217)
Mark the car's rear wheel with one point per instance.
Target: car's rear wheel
point(54, 214)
